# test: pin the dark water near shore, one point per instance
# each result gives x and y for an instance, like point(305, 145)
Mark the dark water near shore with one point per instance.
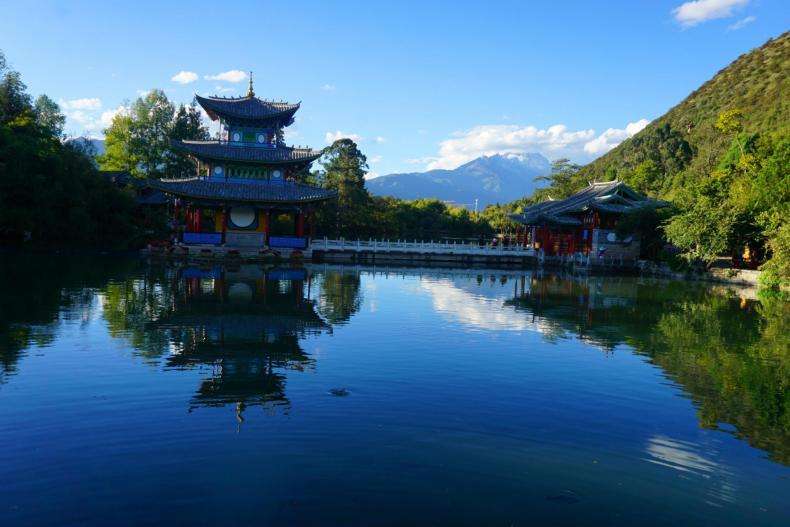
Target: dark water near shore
point(137, 394)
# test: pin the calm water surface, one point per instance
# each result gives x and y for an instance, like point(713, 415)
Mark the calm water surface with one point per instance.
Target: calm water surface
point(141, 394)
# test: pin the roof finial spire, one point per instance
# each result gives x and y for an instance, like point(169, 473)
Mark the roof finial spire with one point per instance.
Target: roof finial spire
point(250, 93)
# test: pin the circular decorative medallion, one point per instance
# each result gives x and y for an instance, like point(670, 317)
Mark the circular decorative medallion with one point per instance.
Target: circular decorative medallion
point(218, 170)
point(277, 174)
point(261, 138)
point(611, 237)
point(240, 291)
point(236, 137)
point(242, 217)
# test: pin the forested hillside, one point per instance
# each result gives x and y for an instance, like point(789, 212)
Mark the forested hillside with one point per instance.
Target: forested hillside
point(722, 160)
point(686, 137)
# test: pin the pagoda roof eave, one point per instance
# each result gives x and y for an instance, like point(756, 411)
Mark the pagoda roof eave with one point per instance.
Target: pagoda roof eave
point(218, 150)
point(254, 191)
point(248, 108)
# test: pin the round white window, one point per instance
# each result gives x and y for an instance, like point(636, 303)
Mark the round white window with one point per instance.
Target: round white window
point(277, 174)
point(240, 291)
point(242, 217)
point(236, 137)
point(218, 170)
point(261, 138)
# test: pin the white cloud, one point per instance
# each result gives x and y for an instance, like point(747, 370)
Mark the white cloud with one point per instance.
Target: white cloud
point(331, 137)
point(184, 77)
point(692, 13)
point(380, 139)
point(375, 159)
point(228, 76)
point(741, 23)
point(421, 160)
point(553, 142)
point(88, 103)
point(91, 124)
point(613, 137)
point(328, 87)
point(106, 117)
point(487, 140)
point(372, 175)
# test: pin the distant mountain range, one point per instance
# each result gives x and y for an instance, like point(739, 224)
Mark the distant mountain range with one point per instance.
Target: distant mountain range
point(493, 179)
point(97, 145)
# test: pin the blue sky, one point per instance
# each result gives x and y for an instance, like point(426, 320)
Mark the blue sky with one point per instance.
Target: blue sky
point(418, 84)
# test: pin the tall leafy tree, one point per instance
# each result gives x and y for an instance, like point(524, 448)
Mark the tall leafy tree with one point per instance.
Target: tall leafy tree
point(187, 124)
point(50, 192)
point(562, 180)
point(49, 116)
point(14, 99)
point(140, 139)
point(343, 169)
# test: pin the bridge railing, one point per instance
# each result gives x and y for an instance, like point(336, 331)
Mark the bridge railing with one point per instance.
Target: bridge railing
point(418, 246)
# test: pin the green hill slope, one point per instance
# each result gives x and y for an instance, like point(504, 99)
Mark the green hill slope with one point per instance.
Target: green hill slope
point(722, 158)
point(684, 138)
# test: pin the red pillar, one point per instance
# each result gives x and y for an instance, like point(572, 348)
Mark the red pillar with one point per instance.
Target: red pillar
point(224, 222)
point(299, 224)
point(267, 229)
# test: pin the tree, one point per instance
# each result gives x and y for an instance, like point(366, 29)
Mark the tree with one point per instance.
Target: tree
point(140, 140)
point(729, 123)
point(187, 124)
point(646, 177)
point(14, 99)
point(563, 180)
point(50, 192)
point(48, 116)
point(343, 169)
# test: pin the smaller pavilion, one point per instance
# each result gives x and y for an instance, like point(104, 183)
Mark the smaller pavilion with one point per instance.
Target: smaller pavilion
point(586, 222)
point(248, 190)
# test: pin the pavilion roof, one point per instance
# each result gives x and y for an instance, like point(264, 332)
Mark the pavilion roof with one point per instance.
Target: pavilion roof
point(611, 196)
point(249, 191)
point(255, 154)
point(248, 108)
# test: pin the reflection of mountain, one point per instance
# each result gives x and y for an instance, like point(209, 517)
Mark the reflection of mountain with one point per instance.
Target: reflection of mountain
point(731, 355)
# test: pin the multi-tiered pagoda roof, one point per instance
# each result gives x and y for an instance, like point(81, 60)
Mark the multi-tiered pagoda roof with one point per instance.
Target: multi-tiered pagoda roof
point(249, 161)
point(248, 109)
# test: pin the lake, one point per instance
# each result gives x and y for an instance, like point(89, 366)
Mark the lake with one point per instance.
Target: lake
point(135, 393)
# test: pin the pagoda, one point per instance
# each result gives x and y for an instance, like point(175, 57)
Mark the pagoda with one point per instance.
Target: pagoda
point(246, 191)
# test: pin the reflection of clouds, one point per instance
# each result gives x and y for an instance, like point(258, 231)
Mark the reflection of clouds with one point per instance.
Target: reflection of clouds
point(678, 455)
point(474, 310)
point(685, 457)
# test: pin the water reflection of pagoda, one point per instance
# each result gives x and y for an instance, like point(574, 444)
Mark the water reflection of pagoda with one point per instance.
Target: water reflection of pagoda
point(593, 308)
point(245, 324)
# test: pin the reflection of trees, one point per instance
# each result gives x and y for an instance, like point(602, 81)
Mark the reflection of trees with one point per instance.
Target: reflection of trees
point(339, 297)
point(732, 356)
point(39, 290)
point(734, 360)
